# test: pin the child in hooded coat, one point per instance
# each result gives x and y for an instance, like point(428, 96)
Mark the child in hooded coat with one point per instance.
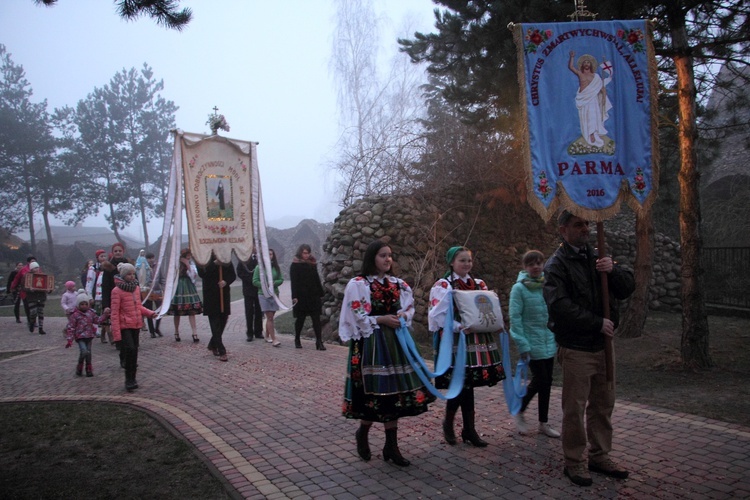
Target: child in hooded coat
point(82, 327)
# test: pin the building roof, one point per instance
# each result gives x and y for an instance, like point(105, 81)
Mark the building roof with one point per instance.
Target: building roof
point(69, 235)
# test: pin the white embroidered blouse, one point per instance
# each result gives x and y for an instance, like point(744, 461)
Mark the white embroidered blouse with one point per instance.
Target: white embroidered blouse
point(439, 303)
point(355, 321)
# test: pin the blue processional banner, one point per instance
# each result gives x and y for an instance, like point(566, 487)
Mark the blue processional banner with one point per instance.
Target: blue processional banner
point(588, 92)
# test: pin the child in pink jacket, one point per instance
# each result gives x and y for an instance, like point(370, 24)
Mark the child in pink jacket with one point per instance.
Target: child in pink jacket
point(82, 328)
point(127, 319)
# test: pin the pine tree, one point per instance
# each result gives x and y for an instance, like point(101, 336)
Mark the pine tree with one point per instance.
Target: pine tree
point(165, 12)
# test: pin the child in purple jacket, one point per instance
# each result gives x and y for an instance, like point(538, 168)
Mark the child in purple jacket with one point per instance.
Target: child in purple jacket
point(82, 325)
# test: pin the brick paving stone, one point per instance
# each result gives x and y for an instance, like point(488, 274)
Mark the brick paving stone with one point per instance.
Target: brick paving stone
point(270, 421)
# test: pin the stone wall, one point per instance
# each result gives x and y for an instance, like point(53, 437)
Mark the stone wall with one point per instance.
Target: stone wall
point(420, 230)
point(664, 293)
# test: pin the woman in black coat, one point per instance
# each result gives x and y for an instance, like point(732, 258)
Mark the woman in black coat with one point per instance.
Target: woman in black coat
point(213, 283)
point(307, 292)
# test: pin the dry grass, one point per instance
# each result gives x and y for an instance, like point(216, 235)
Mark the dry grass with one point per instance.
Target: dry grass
point(96, 451)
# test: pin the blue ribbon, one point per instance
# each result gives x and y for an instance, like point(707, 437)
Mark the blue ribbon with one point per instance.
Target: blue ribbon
point(514, 387)
point(443, 363)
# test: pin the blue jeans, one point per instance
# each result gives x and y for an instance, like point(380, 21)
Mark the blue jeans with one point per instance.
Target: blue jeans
point(84, 346)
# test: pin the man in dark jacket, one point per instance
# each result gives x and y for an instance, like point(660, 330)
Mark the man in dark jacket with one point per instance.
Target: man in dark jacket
point(253, 314)
point(216, 280)
point(572, 290)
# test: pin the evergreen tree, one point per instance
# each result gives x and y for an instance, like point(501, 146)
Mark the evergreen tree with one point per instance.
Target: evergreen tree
point(124, 129)
point(165, 12)
point(26, 147)
point(473, 51)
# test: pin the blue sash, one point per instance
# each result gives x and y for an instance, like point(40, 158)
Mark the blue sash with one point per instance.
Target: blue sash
point(445, 356)
point(514, 387)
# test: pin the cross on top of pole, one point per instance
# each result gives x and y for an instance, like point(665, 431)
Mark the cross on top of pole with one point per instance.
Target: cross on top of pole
point(581, 11)
point(217, 121)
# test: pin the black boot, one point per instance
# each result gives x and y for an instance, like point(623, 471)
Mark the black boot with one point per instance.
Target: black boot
point(363, 447)
point(390, 451)
point(79, 368)
point(297, 342)
point(448, 433)
point(319, 345)
point(469, 433)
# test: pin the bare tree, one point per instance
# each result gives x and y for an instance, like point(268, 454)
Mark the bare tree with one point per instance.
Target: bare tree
point(379, 114)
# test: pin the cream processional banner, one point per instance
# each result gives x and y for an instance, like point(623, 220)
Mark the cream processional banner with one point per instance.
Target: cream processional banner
point(588, 94)
point(218, 196)
point(223, 204)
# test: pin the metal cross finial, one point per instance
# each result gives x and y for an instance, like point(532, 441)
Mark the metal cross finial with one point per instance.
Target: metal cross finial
point(581, 11)
point(216, 110)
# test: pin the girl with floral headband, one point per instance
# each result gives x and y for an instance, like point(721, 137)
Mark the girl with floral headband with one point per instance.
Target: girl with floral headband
point(483, 358)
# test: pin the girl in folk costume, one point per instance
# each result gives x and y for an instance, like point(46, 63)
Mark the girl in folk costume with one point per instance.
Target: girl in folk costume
point(306, 294)
point(127, 319)
point(94, 289)
point(82, 328)
point(483, 358)
point(186, 301)
point(381, 385)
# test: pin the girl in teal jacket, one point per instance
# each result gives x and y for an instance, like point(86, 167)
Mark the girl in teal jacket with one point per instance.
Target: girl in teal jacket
point(535, 342)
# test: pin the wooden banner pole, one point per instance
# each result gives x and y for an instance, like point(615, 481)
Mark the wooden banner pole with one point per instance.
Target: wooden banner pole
point(609, 347)
point(221, 290)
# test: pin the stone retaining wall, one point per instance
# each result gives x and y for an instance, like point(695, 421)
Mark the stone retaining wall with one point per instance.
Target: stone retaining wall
point(420, 230)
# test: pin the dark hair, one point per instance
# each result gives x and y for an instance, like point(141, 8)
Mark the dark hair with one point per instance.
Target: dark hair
point(564, 218)
point(368, 261)
point(184, 252)
point(532, 257)
point(274, 262)
point(301, 249)
point(30, 258)
point(150, 255)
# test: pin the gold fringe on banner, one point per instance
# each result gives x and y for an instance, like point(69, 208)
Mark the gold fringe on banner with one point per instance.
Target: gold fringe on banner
point(562, 200)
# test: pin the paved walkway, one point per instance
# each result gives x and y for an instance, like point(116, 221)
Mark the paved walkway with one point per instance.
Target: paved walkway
point(269, 421)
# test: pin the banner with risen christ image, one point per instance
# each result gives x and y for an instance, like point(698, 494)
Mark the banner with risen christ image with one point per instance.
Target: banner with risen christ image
point(588, 94)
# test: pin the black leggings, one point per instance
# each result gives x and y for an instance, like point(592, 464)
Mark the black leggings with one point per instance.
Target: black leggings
point(541, 383)
point(299, 322)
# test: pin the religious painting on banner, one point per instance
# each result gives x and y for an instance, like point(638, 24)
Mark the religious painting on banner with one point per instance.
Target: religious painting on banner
point(218, 196)
point(588, 94)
